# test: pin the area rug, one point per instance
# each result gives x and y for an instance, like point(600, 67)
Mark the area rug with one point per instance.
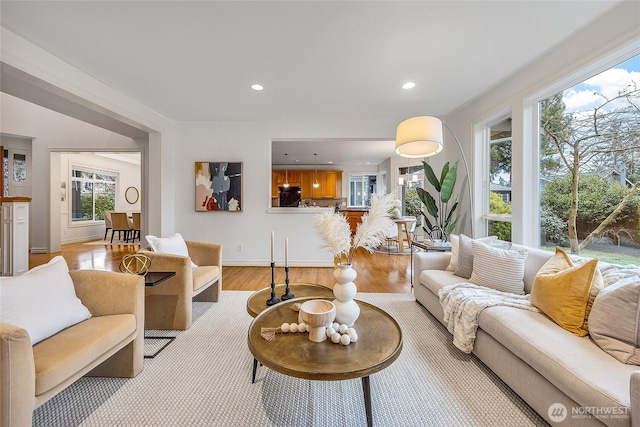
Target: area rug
point(204, 379)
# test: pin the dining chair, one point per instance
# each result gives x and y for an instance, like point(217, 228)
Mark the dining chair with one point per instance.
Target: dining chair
point(120, 223)
point(135, 227)
point(107, 223)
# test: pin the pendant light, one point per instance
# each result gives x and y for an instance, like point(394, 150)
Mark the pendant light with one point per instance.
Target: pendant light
point(286, 171)
point(316, 184)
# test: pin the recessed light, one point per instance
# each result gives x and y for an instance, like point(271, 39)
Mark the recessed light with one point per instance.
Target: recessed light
point(257, 87)
point(408, 85)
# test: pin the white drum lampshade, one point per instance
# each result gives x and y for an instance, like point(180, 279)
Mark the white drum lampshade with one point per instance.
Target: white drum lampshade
point(419, 137)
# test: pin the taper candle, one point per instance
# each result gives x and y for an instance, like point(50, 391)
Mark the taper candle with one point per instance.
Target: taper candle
point(272, 238)
point(286, 252)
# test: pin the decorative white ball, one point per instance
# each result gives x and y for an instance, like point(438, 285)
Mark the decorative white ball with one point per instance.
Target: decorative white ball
point(343, 329)
point(293, 327)
point(345, 340)
point(302, 327)
point(284, 327)
point(335, 337)
point(353, 337)
point(330, 331)
point(308, 328)
point(336, 326)
point(351, 331)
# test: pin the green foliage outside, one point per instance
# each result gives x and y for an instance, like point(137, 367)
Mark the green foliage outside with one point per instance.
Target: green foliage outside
point(499, 228)
point(598, 198)
point(104, 202)
point(412, 205)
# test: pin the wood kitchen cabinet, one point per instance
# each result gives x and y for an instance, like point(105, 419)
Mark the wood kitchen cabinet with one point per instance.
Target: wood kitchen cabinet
point(279, 177)
point(330, 183)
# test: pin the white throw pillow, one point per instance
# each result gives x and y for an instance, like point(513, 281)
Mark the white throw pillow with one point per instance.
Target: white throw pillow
point(455, 249)
point(43, 300)
point(174, 245)
point(499, 269)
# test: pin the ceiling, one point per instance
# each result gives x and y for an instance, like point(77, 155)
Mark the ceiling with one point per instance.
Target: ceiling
point(317, 60)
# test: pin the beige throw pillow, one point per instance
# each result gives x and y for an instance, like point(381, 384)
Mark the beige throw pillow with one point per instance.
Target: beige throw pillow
point(455, 249)
point(500, 269)
point(614, 321)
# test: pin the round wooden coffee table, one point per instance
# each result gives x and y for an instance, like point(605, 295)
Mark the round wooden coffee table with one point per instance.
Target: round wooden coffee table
point(258, 300)
point(379, 344)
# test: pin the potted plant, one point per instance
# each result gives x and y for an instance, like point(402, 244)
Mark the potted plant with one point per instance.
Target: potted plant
point(441, 219)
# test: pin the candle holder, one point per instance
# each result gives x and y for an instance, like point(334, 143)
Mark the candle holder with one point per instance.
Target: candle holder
point(287, 293)
point(273, 300)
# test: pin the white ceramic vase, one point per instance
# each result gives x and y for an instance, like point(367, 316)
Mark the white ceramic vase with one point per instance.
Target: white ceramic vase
point(347, 310)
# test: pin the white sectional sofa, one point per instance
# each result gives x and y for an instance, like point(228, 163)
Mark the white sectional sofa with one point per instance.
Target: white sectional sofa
point(552, 369)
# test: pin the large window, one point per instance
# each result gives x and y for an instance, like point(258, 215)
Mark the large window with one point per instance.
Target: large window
point(361, 188)
point(498, 203)
point(590, 165)
point(92, 192)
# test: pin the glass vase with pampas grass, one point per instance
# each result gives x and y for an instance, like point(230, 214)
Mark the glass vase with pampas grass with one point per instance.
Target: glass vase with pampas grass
point(335, 232)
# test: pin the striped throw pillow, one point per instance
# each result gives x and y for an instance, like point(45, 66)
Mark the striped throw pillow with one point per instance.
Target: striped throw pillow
point(500, 269)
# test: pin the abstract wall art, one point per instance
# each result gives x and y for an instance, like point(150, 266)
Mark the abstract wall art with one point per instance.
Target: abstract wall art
point(218, 186)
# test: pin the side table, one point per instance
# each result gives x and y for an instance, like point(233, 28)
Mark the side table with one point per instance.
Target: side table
point(154, 278)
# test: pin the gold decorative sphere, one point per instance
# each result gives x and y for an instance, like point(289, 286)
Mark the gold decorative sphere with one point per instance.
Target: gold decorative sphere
point(135, 264)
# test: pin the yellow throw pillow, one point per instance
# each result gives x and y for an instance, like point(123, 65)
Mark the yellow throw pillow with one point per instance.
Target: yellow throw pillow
point(565, 292)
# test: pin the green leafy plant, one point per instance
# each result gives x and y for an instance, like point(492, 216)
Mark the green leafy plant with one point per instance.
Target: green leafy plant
point(440, 210)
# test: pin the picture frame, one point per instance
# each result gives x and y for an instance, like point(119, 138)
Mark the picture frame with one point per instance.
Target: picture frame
point(218, 186)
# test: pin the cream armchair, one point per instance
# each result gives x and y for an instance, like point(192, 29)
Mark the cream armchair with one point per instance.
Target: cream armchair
point(168, 304)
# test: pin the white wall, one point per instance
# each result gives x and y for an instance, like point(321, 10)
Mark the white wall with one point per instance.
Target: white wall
point(250, 143)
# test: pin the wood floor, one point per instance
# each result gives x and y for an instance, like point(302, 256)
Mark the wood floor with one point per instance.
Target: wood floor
point(377, 272)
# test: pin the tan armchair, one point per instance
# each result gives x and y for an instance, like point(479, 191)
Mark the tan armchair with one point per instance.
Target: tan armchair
point(108, 344)
point(168, 304)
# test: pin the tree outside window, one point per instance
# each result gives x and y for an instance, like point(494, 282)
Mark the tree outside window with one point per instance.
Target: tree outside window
point(590, 163)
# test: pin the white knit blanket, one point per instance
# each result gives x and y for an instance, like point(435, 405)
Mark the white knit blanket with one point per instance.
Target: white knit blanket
point(462, 304)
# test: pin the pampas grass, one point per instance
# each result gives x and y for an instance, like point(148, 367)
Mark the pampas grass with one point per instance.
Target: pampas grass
point(334, 229)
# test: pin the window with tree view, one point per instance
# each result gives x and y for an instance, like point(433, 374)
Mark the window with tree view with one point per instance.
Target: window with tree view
point(590, 166)
point(498, 218)
point(92, 192)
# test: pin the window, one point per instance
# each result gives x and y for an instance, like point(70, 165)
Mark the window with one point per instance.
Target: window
point(498, 202)
point(411, 178)
point(589, 177)
point(92, 192)
point(361, 188)
point(14, 166)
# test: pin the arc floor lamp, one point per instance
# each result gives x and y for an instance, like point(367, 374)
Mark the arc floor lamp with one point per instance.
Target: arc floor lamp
point(422, 136)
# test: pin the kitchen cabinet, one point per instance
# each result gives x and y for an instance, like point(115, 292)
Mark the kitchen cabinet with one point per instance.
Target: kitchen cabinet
point(330, 183)
point(279, 177)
